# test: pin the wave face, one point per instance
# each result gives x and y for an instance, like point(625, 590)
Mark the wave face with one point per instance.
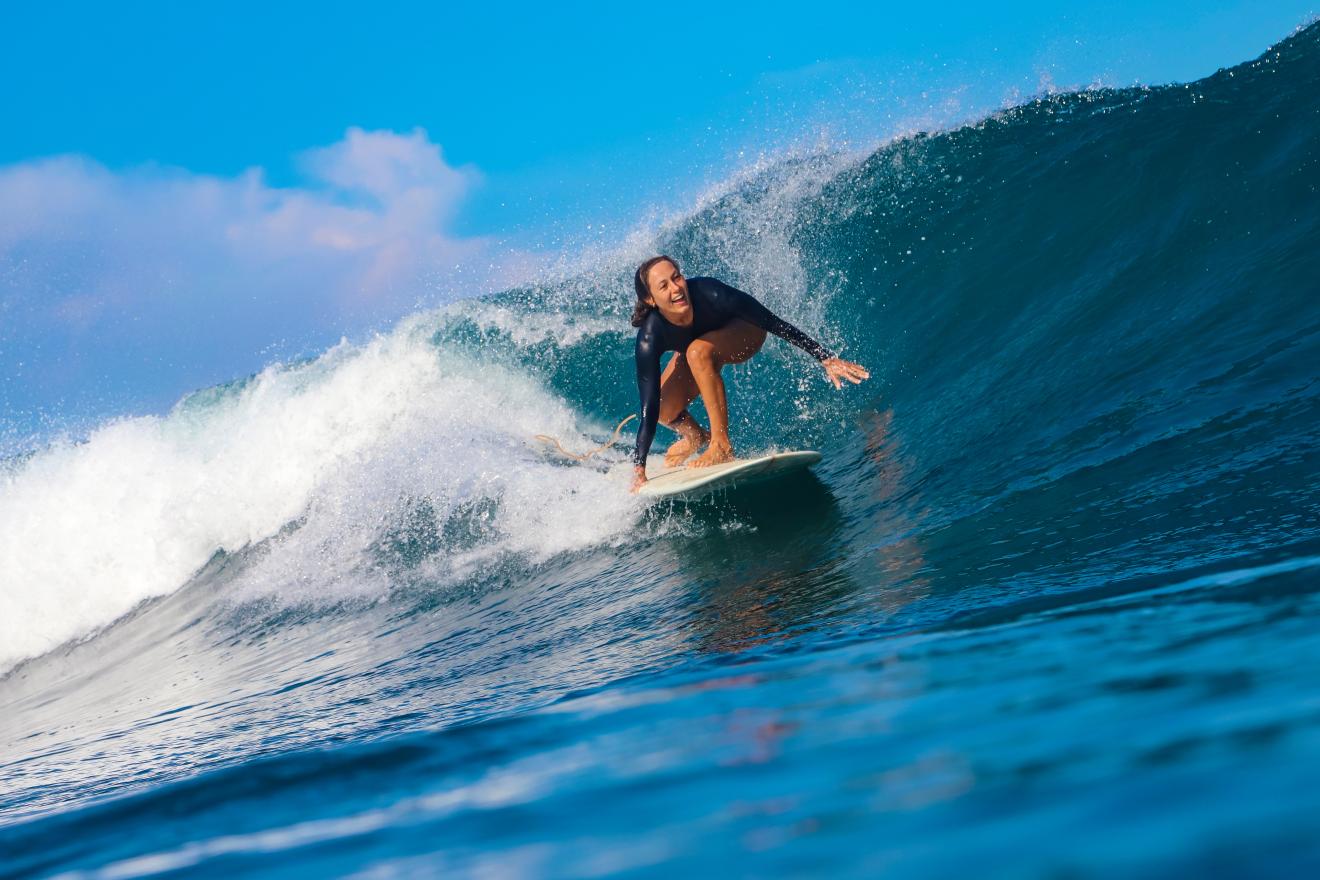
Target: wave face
point(1047, 606)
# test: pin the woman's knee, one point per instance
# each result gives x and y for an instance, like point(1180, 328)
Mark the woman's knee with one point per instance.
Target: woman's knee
point(701, 354)
point(671, 411)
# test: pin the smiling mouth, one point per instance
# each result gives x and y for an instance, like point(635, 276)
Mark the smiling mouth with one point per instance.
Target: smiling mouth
point(677, 299)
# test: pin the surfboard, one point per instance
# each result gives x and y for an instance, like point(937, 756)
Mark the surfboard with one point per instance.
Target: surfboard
point(667, 482)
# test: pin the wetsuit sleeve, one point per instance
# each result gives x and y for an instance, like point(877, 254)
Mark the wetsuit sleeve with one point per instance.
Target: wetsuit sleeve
point(745, 306)
point(648, 388)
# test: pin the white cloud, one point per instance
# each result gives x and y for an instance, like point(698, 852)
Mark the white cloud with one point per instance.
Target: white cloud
point(390, 168)
point(115, 272)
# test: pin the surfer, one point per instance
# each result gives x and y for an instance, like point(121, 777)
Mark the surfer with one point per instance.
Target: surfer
point(707, 324)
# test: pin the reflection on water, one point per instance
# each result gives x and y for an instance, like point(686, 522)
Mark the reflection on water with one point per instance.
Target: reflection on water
point(889, 554)
point(765, 562)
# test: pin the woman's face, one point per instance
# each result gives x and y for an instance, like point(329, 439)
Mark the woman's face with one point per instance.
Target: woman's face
point(669, 292)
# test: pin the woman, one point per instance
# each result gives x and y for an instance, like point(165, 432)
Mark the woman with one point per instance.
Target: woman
point(708, 324)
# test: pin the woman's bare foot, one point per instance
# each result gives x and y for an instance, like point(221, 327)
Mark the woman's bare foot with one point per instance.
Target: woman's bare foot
point(719, 452)
point(686, 446)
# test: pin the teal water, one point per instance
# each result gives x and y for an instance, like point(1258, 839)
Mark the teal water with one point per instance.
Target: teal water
point(1049, 606)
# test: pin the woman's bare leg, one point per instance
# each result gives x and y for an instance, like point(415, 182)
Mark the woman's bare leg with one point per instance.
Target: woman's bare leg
point(678, 389)
point(706, 356)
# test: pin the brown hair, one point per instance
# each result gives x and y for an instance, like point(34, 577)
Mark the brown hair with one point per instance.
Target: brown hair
point(643, 308)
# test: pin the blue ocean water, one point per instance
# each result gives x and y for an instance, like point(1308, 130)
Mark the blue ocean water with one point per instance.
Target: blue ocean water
point(1049, 607)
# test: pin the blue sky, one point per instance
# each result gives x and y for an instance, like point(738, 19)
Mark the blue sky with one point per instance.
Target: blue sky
point(192, 189)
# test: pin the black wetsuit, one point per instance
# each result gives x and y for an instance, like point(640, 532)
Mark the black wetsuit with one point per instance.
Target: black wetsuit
point(714, 304)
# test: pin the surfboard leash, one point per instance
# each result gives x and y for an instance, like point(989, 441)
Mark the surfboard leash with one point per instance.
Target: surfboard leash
point(545, 438)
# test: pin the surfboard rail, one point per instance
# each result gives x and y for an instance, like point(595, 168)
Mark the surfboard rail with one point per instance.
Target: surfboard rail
point(668, 482)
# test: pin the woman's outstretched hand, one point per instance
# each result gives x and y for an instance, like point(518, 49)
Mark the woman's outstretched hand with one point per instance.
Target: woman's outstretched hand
point(837, 369)
point(639, 479)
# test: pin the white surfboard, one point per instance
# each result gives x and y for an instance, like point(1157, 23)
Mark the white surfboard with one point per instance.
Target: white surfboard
point(664, 482)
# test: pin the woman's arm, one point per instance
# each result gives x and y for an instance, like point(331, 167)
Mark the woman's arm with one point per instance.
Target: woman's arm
point(647, 355)
point(745, 306)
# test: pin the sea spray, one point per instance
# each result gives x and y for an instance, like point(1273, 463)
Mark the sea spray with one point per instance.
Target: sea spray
point(338, 446)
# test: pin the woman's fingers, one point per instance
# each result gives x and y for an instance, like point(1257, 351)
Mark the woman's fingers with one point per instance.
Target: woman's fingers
point(856, 369)
point(838, 368)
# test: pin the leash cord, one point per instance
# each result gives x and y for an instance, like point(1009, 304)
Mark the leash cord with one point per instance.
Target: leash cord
point(545, 438)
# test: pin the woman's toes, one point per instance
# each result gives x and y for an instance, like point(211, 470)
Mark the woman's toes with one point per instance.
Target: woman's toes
point(713, 455)
point(676, 454)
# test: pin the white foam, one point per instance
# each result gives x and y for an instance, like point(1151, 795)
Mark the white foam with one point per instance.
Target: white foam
point(88, 531)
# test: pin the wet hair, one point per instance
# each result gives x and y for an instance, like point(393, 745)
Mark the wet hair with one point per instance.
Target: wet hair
point(643, 308)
